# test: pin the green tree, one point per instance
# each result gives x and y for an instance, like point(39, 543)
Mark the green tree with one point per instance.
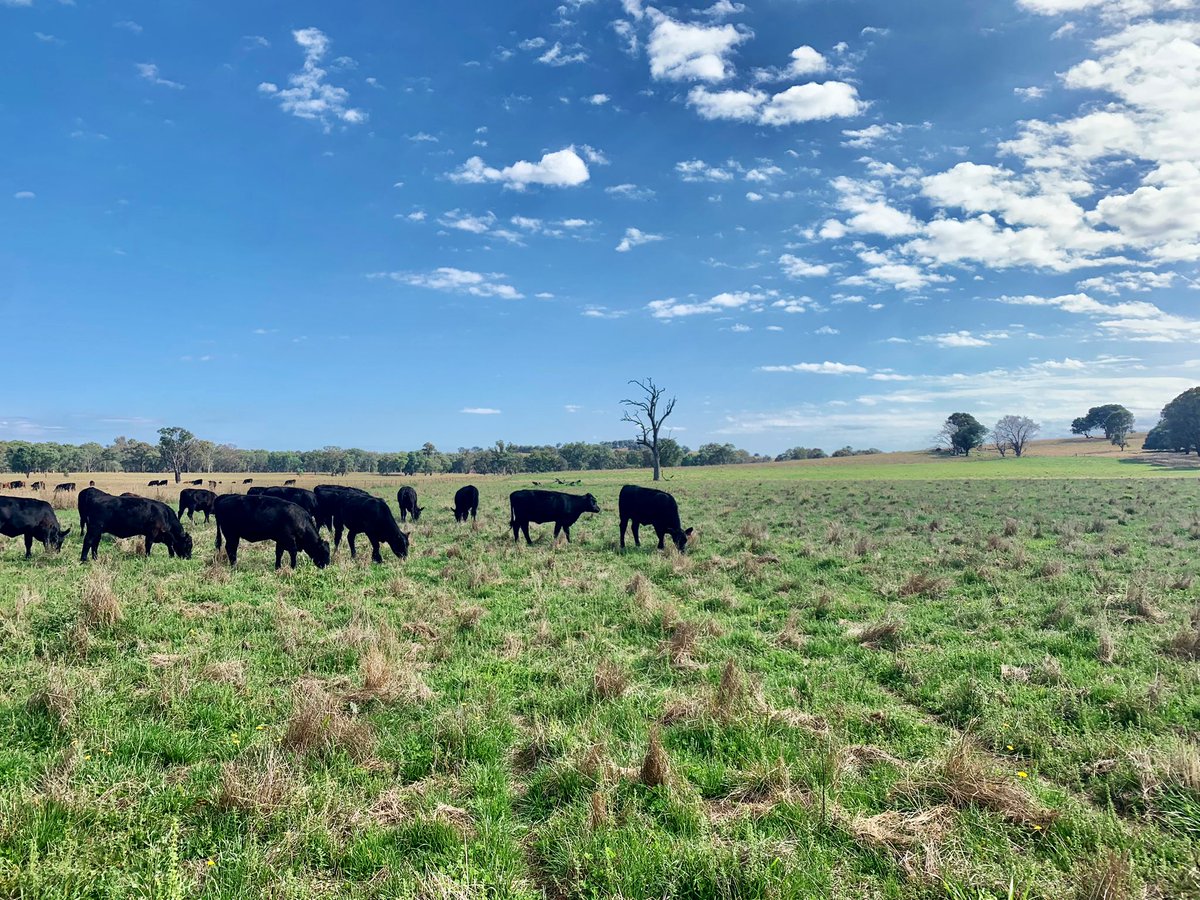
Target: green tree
point(175, 446)
point(963, 433)
point(1181, 421)
point(1117, 427)
point(21, 457)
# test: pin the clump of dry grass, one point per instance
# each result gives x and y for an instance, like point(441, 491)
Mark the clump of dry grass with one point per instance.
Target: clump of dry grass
point(756, 533)
point(1186, 641)
point(680, 647)
point(54, 698)
point(468, 617)
point(656, 765)
point(261, 784)
point(863, 546)
point(1108, 877)
point(791, 635)
point(641, 590)
point(610, 680)
point(922, 584)
point(909, 837)
point(99, 607)
point(771, 780)
point(598, 815)
point(966, 778)
point(318, 725)
point(1140, 604)
point(1011, 527)
point(229, 671)
point(885, 633)
point(1052, 568)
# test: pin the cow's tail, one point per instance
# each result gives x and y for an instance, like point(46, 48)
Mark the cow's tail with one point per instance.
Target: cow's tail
point(218, 533)
point(512, 513)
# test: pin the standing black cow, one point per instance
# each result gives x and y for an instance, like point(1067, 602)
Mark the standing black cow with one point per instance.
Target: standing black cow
point(242, 517)
point(38, 486)
point(407, 498)
point(370, 516)
point(329, 498)
point(647, 506)
point(194, 500)
point(247, 481)
point(67, 486)
point(289, 482)
point(15, 484)
point(196, 481)
point(130, 516)
point(32, 519)
point(548, 506)
point(466, 500)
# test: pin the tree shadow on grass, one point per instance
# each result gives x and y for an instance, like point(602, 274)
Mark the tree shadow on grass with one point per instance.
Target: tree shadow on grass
point(1173, 462)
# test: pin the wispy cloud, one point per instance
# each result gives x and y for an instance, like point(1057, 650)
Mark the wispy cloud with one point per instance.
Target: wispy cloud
point(309, 95)
point(149, 72)
point(635, 237)
point(480, 411)
point(457, 281)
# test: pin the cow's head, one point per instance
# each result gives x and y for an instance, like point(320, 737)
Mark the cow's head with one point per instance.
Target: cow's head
point(680, 537)
point(183, 545)
point(58, 536)
point(400, 544)
point(592, 505)
point(417, 513)
point(320, 553)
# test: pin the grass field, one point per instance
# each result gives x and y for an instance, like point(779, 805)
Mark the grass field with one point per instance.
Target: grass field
point(877, 677)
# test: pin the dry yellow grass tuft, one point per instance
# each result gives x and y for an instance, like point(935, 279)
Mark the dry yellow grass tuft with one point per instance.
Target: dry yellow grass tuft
point(99, 607)
point(656, 765)
point(882, 634)
point(55, 698)
point(610, 680)
point(1109, 877)
point(261, 784)
point(318, 725)
point(966, 778)
point(1186, 641)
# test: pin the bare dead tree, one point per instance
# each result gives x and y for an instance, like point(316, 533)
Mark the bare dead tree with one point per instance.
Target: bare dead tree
point(1014, 433)
point(648, 415)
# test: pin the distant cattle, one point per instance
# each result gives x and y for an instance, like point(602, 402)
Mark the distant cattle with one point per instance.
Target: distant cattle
point(68, 486)
point(370, 516)
point(13, 484)
point(38, 486)
point(90, 484)
point(247, 481)
point(33, 520)
point(161, 482)
point(329, 497)
point(289, 482)
point(548, 506)
point(245, 517)
point(194, 500)
point(299, 496)
point(647, 506)
point(130, 516)
point(212, 485)
point(197, 481)
point(407, 498)
point(466, 500)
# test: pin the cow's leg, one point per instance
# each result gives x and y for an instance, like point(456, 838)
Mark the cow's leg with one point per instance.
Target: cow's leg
point(567, 532)
point(87, 537)
point(292, 553)
point(525, 528)
point(350, 540)
point(516, 530)
point(29, 544)
point(278, 554)
point(637, 540)
point(557, 529)
point(337, 534)
point(624, 522)
point(376, 556)
point(149, 544)
point(661, 535)
point(231, 548)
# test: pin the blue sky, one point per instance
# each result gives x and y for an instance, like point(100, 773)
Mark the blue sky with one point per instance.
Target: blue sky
point(817, 222)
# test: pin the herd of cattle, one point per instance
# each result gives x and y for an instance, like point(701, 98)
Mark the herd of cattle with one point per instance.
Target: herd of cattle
point(293, 517)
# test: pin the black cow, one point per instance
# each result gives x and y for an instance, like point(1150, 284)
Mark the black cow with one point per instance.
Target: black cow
point(212, 484)
point(245, 517)
point(407, 498)
point(130, 516)
point(299, 496)
point(15, 484)
point(466, 500)
point(647, 506)
point(289, 482)
point(548, 506)
point(157, 483)
point(32, 519)
point(197, 481)
point(329, 498)
point(247, 481)
point(38, 486)
point(194, 500)
point(68, 486)
point(370, 516)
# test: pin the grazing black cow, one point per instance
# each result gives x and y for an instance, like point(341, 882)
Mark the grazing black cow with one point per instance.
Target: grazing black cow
point(197, 481)
point(647, 506)
point(130, 516)
point(289, 482)
point(32, 519)
point(247, 481)
point(329, 498)
point(15, 484)
point(245, 517)
point(299, 496)
point(194, 500)
point(548, 506)
point(466, 500)
point(156, 483)
point(212, 485)
point(90, 484)
point(68, 486)
point(38, 486)
point(407, 498)
point(370, 516)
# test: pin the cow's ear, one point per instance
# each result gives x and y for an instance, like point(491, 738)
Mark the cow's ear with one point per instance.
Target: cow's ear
point(688, 533)
point(66, 531)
